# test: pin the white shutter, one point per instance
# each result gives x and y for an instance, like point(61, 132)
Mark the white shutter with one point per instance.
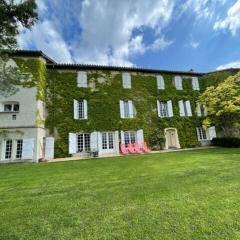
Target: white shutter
point(99, 144)
point(198, 110)
point(195, 83)
point(181, 108)
point(28, 148)
point(121, 109)
point(82, 79)
point(169, 108)
point(122, 137)
point(72, 143)
point(189, 109)
point(126, 79)
point(49, 148)
point(85, 108)
point(198, 135)
point(160, 82)
point(130, 105)
point(158, 108)
point(94, 141)
point(75, 109)
point(1, 107)
point(140, 138)
point(178, 82)
point(116, 141)
point(212, 132)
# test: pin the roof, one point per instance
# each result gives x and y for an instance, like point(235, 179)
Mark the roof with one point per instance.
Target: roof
point(31, 53)
point(118, 68)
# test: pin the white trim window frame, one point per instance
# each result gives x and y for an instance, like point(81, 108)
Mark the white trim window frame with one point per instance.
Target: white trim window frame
point(82, 79)
point(195, 84)
point(8, 149)
point(202, 134)
point(126, 80)
point(130, 137)
point(163, 109)
point(11, 107)
point(83, 142)
point(178, 82)
point(19, 149)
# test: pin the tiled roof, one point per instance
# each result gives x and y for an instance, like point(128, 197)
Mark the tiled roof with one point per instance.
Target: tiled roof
point(118, 68)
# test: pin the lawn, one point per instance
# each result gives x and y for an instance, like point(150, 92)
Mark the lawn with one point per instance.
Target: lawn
point(178, 195)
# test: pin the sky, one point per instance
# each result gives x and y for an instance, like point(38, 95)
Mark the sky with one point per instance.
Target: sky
point(203, 35)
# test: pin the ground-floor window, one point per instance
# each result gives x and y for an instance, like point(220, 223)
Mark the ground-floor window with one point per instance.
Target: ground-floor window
point(19, 149)
point(107, 140)
point(129, 137)
point(201, 133)
point(8, 149)
point(83, 142)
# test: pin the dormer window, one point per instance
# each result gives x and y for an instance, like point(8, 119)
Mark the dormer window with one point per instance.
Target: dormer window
point(11, 107)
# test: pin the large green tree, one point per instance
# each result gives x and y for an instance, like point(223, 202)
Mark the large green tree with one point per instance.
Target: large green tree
point(13, 14)
point(223, 105)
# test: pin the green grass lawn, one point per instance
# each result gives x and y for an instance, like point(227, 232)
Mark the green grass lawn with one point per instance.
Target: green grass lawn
point(179, 195)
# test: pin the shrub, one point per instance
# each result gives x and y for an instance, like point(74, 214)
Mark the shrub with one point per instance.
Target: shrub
point(226, 142)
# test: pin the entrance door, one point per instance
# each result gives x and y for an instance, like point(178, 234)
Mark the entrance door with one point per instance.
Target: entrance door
point(108, 143)
point(171, 138)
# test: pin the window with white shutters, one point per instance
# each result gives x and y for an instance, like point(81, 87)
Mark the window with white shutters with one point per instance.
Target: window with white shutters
point(195, 83)
point(202, 135)
point(160, 82)
point(83, 142)
point(178, 82)
point(163, 111)
point(130, 137)
point(126, 80)
point(82, 79)
point(80, 109)
point(185, 108)
point(127, 109)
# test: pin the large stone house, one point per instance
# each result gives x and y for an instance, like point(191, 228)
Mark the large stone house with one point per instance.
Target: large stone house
point(72, 109)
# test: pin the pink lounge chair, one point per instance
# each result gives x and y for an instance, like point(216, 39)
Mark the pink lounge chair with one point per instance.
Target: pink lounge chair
point(144, 147)
point(124, 149)
point(137, 148)
point(131, 148)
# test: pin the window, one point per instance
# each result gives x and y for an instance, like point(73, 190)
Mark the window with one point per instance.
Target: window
point(11, 107)
point(163, 112)
point(195, 83)
point(83, 142)
point(19, 149)
point(107, 140)
point(178, 82)
point(14, 117)
point(160, 82)
point(8, 149)
point(126, 79)
point(185, 108)
point(80, 109)
point(129, 137)
point(165, 109)
point(201, 110)
point(127, 109)
point(201, 133)
point(82, 79)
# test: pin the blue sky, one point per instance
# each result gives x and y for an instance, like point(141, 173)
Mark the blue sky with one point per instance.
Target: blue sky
point(168, 34)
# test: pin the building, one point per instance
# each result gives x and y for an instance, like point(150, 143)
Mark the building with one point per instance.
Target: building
point(72, 109)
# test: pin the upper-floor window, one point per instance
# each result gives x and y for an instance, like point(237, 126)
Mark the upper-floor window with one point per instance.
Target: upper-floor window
point(185, 108)
point(80, 109)
point(201, 110)
point(165, 108)
point(127, 109)
point(160, 82)
point(178, 82)
point(126, 80)
point(82, 79)
point(11, 107)
point(195, 83)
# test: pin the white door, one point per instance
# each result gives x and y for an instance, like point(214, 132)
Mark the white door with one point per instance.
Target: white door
point(108, 142)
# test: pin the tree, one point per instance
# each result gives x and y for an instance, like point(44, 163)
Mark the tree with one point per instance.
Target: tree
point(12, 15)
point(223, 105)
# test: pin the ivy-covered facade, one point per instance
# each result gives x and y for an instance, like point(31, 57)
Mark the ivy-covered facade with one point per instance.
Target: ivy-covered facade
point(83, 108)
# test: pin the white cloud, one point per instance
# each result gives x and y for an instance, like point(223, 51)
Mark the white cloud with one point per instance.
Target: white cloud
point(232, 21)
point(235, 64)
point(194, 44)
point(108, 35)
point(45, 37)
